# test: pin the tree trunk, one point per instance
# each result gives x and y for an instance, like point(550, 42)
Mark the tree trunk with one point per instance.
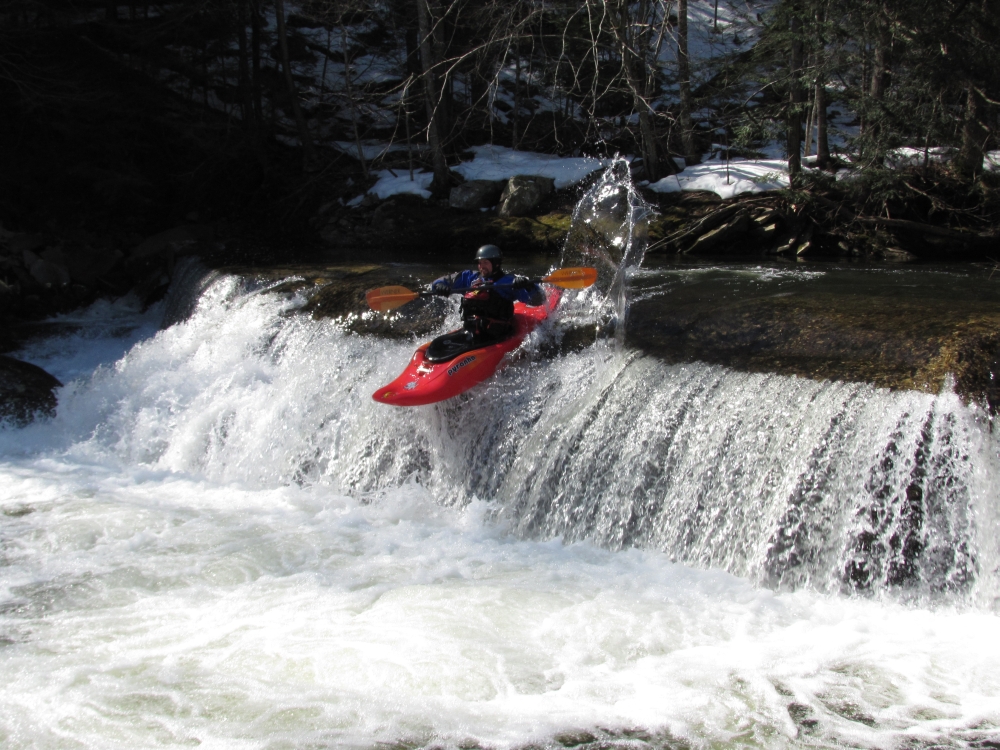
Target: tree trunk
point(879, 80)
point(880, 66)
point(638, 81)
point(442, 179)
point(439, 50)
point(795, 104)
point(970, 155)
point(308, 152)
point(350, 97)
point(517, 95)
point(255, 35)
point(807, 146)
point(684, 83)
point(246, 99)
point(822, 139)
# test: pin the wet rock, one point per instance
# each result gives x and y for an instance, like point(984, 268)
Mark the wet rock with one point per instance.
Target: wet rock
point(386, 217)
point(47, 273)
point(322, 217)
point(888, 342)
point(20, 243)
point(8, 296)
point(476, 194)
point(88, 264)
point(26, 391)
point(150, 265)
point(124, 192)
point(336, 234)
point(524, 193)
point(175, 240)
point(897, 255)
point(53, 255)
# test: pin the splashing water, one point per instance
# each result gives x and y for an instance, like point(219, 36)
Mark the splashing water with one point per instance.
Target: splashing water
point(609, 230)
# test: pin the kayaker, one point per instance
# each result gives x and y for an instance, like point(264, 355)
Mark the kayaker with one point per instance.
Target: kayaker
point(487, 303)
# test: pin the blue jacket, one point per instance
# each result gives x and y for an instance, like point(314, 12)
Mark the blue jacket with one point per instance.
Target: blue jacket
point(533, 295)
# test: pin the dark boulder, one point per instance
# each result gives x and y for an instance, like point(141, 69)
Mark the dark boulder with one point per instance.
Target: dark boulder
point(26, 391)
point(48, 273)
point(88, 264)
point(524, 193)
point(476, 194)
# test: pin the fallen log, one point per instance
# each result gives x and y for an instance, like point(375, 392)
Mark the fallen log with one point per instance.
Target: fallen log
point(917, 226)
point(707, 222)
point(913, 226)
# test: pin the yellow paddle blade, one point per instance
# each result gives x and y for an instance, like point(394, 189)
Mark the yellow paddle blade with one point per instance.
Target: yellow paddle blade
point(572, 278)
point(389, 297)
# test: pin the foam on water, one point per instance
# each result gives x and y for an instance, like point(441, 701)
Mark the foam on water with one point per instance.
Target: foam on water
point(221, 540)
point(149, 610)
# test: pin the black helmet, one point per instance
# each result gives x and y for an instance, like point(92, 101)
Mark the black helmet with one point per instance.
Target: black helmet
point(491, 253)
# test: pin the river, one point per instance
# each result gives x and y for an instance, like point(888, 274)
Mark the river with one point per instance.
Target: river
point(221, 540)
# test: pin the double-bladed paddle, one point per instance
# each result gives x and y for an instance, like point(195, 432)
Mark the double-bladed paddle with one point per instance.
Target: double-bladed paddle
point(390, 297)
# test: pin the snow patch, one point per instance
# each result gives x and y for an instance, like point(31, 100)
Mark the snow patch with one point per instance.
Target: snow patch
point(392, 183)
point(739, 176)
point(500, 163)
point(491, 163)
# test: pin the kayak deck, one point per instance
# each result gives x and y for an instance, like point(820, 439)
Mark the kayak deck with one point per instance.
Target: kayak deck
point(424, 382)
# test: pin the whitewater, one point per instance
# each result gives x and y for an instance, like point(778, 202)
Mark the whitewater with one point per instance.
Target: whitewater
point(221, 541)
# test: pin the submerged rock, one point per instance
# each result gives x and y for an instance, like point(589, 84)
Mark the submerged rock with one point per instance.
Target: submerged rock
point(26, 391)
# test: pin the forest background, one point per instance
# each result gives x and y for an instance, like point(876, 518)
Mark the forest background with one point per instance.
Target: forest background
point(273, 118)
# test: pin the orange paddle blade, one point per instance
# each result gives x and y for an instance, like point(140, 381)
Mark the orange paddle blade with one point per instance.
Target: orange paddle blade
point(572, 278)
point(389, 297)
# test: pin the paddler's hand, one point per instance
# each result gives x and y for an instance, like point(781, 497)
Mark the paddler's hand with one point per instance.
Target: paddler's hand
point(522, 282)
point(441, 287)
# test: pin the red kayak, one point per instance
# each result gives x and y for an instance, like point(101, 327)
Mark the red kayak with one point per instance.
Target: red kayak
point(424, 382)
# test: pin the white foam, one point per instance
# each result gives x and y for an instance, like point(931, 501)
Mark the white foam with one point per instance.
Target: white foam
point(162, 609)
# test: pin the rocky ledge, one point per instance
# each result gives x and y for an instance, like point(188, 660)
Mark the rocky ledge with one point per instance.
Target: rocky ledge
point(915, 344)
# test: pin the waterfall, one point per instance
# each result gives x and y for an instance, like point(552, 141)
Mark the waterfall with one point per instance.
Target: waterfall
point(789, 482)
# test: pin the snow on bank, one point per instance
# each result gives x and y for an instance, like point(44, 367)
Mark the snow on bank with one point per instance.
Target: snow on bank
point(391, 183)
point(914, 157)
point(491, 163)
point(739, 176)
point(744, 176)
point(499, 163)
